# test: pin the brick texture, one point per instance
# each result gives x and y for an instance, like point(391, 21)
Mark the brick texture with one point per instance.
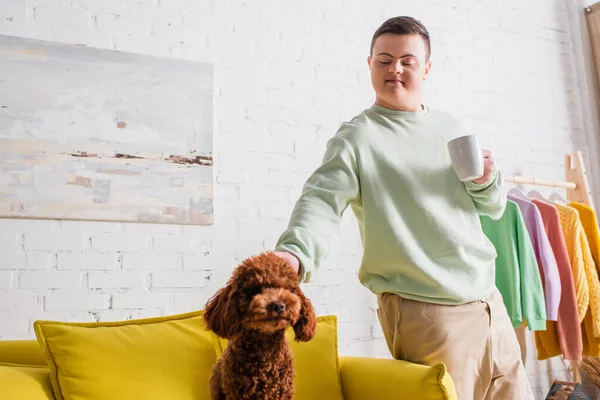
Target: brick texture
point(76, 302)
point(288, 74)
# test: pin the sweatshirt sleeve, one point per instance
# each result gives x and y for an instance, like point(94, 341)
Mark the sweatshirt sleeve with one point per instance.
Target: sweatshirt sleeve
point(317, 213)
point(569, 327)
point(532, 293)
point(489, 197)
point(552, 285)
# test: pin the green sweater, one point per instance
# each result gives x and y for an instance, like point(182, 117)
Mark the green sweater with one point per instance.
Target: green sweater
point(517, 273)
point(419, 223)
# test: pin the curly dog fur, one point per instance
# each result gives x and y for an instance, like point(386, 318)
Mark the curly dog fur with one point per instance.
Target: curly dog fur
point(259, 302)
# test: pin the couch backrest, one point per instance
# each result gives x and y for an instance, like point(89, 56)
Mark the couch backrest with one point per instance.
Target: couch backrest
point(317, 368)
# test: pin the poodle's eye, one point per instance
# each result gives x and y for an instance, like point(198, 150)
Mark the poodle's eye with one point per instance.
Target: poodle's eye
point(251, 291)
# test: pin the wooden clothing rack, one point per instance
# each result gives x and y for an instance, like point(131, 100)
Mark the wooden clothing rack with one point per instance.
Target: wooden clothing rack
point(577, 184)
point(578, 190)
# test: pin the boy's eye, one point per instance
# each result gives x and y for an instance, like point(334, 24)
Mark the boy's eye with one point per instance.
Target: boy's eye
point(405, 63)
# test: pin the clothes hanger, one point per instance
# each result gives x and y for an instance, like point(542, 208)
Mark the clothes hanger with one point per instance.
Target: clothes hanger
point(557, 198)
point(515, 191)
point(534, 194)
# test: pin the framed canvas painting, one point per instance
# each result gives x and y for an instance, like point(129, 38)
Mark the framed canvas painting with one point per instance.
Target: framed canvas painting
point(92, 134)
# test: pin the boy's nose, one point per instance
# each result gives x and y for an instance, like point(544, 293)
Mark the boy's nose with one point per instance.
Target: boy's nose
point(396, 67)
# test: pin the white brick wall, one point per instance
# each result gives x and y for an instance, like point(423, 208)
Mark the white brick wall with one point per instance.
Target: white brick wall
point(76, 302)
point(118, 280)
point(87, 261)
point(53, 240)
point(120, 242)
point(6, 279)
point(286, 75)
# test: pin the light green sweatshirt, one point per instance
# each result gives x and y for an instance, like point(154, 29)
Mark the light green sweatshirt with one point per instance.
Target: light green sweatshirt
point(517, 272)
point(419, 223)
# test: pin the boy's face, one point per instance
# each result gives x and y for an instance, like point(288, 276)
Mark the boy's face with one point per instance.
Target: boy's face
point(399, 65)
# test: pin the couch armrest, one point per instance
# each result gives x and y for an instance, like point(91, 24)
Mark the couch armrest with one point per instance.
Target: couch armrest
point(387, 379)
point(27, 352)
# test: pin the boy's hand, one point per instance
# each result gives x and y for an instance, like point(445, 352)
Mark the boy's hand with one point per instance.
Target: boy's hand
point(291, 259)
point(488, 168)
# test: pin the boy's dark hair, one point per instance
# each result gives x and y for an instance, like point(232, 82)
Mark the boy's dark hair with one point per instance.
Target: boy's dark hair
point(403, 26)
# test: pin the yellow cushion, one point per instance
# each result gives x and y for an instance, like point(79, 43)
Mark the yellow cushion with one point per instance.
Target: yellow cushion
point(316, 362)
point(387, 379)
point(19, 382)
point(153, 358)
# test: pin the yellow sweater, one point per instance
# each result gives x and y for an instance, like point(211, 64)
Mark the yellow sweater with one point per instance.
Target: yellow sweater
point(585, 276)
point(588, 220)
point(591, 343)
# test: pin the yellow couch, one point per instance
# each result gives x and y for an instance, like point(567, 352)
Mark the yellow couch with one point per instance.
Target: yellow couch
point(84, 361)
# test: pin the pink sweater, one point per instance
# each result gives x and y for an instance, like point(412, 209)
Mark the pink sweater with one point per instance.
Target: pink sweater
point(568, 326)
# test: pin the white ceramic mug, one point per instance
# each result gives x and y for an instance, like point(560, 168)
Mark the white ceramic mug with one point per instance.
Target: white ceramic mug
point(467, 157)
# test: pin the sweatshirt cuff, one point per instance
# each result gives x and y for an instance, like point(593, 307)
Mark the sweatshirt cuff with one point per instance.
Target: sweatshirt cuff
point(573, 354)
point(306, 267)
point(536, 324)
point(552, 316)
point(483, 186)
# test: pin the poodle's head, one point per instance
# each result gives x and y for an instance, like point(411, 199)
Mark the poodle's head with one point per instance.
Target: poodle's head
point(262, 294)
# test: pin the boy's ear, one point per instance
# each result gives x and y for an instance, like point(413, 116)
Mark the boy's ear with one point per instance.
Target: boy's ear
point(427, 70)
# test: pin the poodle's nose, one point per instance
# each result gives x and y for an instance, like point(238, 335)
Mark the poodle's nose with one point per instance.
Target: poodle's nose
point(278, 307)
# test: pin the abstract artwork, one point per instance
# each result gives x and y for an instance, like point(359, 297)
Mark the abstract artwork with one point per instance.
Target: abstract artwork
point(91, 134)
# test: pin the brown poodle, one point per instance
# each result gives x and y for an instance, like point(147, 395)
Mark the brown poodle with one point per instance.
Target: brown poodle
point(259, 302)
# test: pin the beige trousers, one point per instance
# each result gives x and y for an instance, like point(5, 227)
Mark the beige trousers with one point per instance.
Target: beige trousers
point(476, 342)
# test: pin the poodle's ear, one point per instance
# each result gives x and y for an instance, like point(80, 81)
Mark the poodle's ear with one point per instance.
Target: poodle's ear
point(221, 313)
point(305, 327)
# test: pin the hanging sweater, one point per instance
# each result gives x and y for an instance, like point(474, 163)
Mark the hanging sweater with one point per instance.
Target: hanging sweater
point(543, 252)
point(419, 223)
point(585, 276)
point(563, 336)
point(517, 274)
point(589, 222)
point(587, 216)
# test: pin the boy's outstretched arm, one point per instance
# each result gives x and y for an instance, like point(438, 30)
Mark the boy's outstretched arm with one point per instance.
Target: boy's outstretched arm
point(488, 193)
point(317, 213)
